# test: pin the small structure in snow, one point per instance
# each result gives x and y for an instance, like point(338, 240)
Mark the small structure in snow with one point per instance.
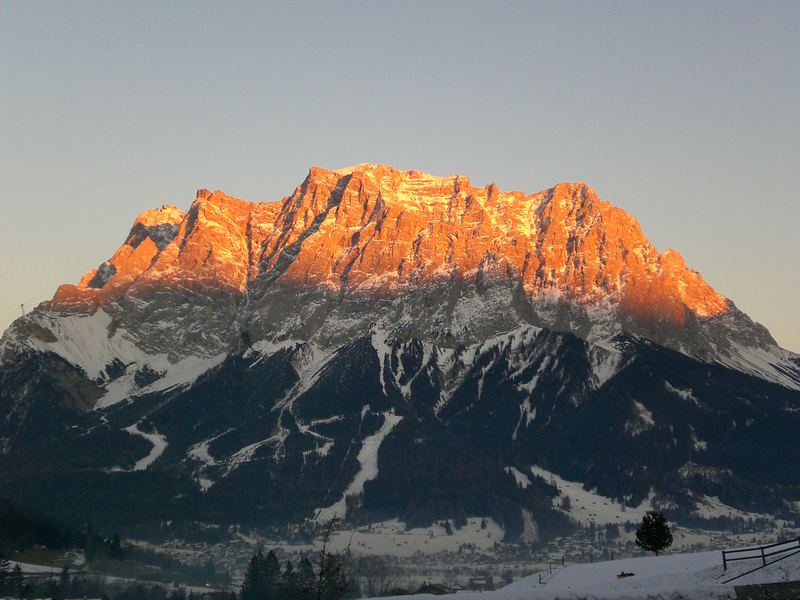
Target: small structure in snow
point(623, 575)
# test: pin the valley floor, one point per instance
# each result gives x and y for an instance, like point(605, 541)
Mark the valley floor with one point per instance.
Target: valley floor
point(432, 555)
point(529, 573)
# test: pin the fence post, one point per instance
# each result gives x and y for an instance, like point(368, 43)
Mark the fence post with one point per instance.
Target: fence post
point(724, 562)
point(763, 558)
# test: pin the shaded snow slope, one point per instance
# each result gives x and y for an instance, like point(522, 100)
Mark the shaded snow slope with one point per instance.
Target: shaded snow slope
point(92, 343)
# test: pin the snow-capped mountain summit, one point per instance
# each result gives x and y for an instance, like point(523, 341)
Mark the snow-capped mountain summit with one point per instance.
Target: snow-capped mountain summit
point(372, 308)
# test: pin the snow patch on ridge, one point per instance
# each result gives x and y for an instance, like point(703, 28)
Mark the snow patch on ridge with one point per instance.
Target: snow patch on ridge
point(525, 412)
point(643, 419)
point(523, 480)
point(368, 459)
point(384, 352)
point(182, 373)
point(200, 452)
point(687, 395)
point(456, 364)
point(605, 362)
point(244, 455)
point(530, 530)
point(159, 445)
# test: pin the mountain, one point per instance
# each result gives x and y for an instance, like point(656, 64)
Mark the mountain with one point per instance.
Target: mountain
point(388, 343)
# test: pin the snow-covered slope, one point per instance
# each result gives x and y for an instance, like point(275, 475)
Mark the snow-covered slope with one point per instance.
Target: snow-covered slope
point(693, 576)
point(587, 506)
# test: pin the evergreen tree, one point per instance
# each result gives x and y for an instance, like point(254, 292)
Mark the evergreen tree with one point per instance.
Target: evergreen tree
point(305, 578)
point(15, 583)
point(254, 586)
point(5, 573)
point(272, 576)
point(262, 578)
point(289, 586)
point(653, 534)
point(89, 543)
point(116, 547)
point(64, 580)
point(210, 570)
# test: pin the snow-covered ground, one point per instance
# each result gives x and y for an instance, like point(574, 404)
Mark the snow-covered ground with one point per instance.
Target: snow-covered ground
point(710, 507)
point(38, 569)
point(686, 576)
point(394, 539)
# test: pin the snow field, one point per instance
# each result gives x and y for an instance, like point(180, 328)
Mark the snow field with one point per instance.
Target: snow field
point(691, 576)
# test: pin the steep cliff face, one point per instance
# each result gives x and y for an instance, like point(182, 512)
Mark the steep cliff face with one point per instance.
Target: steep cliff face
point(372, 230)
point(269, 348)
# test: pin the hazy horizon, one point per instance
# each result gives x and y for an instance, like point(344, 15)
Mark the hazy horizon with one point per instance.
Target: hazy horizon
point(683, 115)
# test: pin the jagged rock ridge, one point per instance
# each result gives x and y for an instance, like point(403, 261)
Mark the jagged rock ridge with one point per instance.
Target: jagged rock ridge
point(371, 234)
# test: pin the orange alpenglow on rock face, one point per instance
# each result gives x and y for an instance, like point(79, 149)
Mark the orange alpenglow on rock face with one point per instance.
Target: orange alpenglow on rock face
point(371, 230)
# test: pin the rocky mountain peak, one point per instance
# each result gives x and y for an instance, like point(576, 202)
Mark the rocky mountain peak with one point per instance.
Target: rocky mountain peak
point(365, 241)
point(372, 229)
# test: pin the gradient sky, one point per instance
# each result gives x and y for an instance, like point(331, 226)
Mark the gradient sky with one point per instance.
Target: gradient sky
point(686, 115)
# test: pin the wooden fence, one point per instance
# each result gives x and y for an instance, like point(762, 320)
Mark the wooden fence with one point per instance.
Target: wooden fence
point(762, 553)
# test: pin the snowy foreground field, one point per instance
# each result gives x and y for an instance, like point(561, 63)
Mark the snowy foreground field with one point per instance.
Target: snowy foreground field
point(695, 576)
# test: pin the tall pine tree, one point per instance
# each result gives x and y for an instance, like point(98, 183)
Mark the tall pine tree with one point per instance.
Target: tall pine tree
point(653, 534)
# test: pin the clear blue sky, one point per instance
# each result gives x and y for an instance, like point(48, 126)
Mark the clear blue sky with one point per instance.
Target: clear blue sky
point(685, 114)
